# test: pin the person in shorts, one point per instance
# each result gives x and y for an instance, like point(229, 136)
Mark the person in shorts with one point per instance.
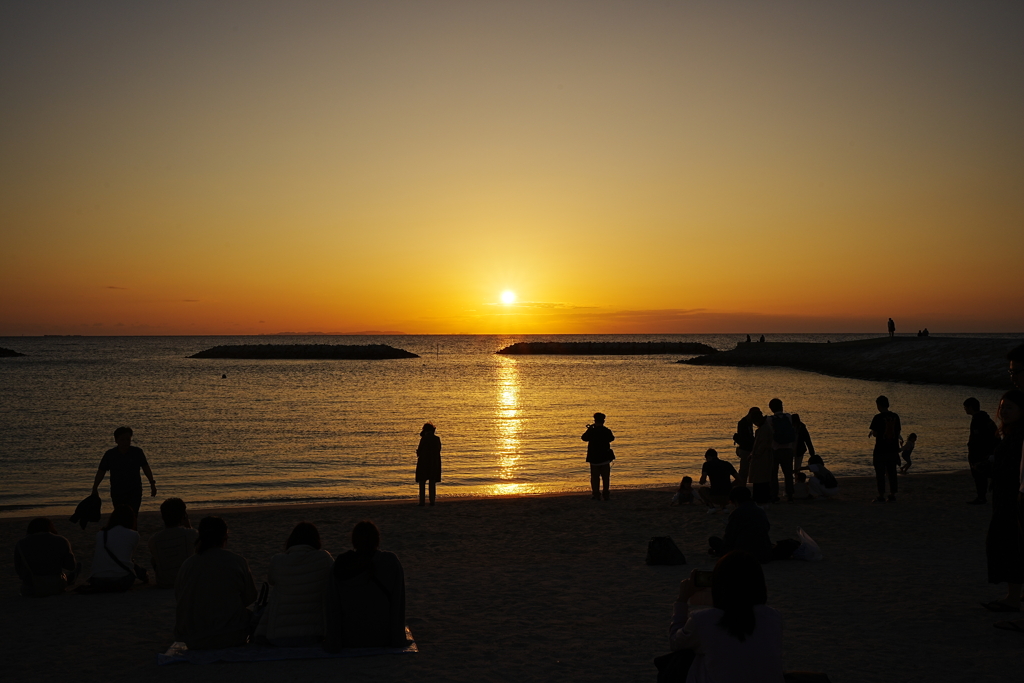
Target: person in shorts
point(124, 462)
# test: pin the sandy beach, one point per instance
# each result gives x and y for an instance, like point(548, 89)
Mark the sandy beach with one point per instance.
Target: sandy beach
point(555, 589)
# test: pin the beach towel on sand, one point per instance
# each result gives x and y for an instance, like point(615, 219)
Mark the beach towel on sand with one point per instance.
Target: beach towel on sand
point(178, 652)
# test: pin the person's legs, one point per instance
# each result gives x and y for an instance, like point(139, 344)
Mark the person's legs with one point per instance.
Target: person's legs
point(744, 457)
point(433, 491)
point(879, 464)
point(890, 470)
point(595, 482)
point(980, 475)
point(815, 487)
point(773, 482)
point(423, 493)
point(784, 457)
point(606, 474)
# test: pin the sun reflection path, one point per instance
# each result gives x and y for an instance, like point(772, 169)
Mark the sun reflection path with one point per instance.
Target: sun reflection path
point(508, 418)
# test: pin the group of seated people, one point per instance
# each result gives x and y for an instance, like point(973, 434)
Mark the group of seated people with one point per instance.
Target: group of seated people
point(354, 600)
point(723, 477)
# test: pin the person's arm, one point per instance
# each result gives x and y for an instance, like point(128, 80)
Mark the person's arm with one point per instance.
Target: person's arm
point(586, 435)
point(100, 473)
point(679, 636)
point(703, 474)
point(149, 475)
point(611, 437)
point(807, 440)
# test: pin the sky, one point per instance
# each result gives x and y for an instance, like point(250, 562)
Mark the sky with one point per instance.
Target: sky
point(623, 167)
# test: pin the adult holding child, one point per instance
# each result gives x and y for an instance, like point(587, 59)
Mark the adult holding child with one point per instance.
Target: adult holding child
point(1003, 544)
point(428, 462)
point(294, 616)
point(124, 462)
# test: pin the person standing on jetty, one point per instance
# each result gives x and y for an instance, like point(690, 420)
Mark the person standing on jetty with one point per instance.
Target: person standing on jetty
point(599, 455)
point(744, 438)
point(981, 444)
point(885, 428)
point(783, 443)
point(124, 462)
point(892, 328)
point(428, 462)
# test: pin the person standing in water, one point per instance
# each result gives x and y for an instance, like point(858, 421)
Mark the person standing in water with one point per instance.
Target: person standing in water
point(124, 462)
point(428, 462)
point(599, 455)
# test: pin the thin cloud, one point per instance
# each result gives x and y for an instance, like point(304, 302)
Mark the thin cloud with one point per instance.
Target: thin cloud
point(191, 301)
point(114, 287)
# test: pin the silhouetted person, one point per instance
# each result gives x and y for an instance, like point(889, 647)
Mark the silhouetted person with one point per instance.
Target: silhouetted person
point(802, 445)
point(721, 473)
point(294, 616)
point(783, 444)
point(213, 589)
point(113, 569)
point(174, 544)
point(924, 332)
point(748, 338)
point(823, 483)
point(684, 494)
point(1003, 543)
point(428, 462)
point(885, 428)
point(599, 455)
point(892, 328)
point(762, 460)
point(365, 595)
point(746, 530)
point(761, 340)
point(739, 639)
point(907, 452)
point(744, 439)
point(44, 561)
point(124, 462)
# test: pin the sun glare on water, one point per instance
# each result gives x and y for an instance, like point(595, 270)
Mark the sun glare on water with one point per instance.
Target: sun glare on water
point(508, 297)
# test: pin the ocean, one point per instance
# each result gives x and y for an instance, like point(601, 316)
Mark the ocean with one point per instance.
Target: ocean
point(292, 431)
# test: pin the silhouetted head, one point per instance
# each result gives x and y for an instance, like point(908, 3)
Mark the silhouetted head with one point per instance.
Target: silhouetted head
point(815, 460)
point(736, 586)
point(121, 515)
point(599, 418)
point(740, 495)
point(1016, 358)
point(41, 525)
point(754, 412)
point(775, 405)
point(428, 429)
point(687, 481)
point(912, 437)
point(882, 402)
point(123, 436)
point(365, 537)
point(710, 454)
point(304, 533)
point(1011, 409)
point(796, 418)
point(213, 533)
point(972, 405)
point(759, 419)
point(174, 513)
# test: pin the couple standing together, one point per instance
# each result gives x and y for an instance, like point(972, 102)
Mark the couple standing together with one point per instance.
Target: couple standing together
point(766, 444)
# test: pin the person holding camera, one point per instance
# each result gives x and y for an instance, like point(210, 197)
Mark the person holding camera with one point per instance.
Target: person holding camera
point(599, 455)
point(739, 638)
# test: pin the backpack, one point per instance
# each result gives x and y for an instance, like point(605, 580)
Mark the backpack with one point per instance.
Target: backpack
point(782, 428)
point(662, 550)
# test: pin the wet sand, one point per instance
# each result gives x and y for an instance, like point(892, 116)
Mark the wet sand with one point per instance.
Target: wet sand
point(555, 588)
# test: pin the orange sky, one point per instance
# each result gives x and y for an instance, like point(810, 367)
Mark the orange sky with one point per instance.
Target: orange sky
point(230, 168)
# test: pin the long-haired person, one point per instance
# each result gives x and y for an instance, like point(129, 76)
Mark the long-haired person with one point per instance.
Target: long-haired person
point(1003, 543)
point(739, 640)
point(214, 589)
point(298, 577)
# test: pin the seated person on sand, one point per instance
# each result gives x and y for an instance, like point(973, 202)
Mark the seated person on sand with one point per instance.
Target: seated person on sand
point(214, 589)
point(747, 530)
point(721, 474)
point(739, 639)
point(823, 483)
point(801, 491)
point(113, 570)
point(365, 595)
point(44, 560)
point(173, 545)
point(684, 496)
point(298, 577)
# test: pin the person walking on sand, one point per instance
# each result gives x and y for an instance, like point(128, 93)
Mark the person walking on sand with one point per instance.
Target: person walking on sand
point(892, 328)
point(981, 444)
point(783, 443)
point(428, 462)
point(599, 455)
point(885, 428)
point(744, 439)
point(124, 462)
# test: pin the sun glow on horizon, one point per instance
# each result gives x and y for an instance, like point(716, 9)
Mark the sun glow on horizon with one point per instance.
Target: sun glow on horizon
point(508, 297)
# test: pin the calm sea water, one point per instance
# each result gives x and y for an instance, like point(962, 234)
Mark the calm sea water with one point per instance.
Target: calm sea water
point(308, 431)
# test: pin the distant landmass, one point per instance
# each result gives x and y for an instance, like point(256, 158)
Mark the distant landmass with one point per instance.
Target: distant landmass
point(606, 348)
point(925, 360)
point(305, 352)
point(7, 353)
point(364, 333)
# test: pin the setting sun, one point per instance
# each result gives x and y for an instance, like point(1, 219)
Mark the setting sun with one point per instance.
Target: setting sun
point(508, 297)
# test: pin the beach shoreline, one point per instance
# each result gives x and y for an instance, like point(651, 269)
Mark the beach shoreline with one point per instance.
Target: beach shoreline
point(555, 588)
